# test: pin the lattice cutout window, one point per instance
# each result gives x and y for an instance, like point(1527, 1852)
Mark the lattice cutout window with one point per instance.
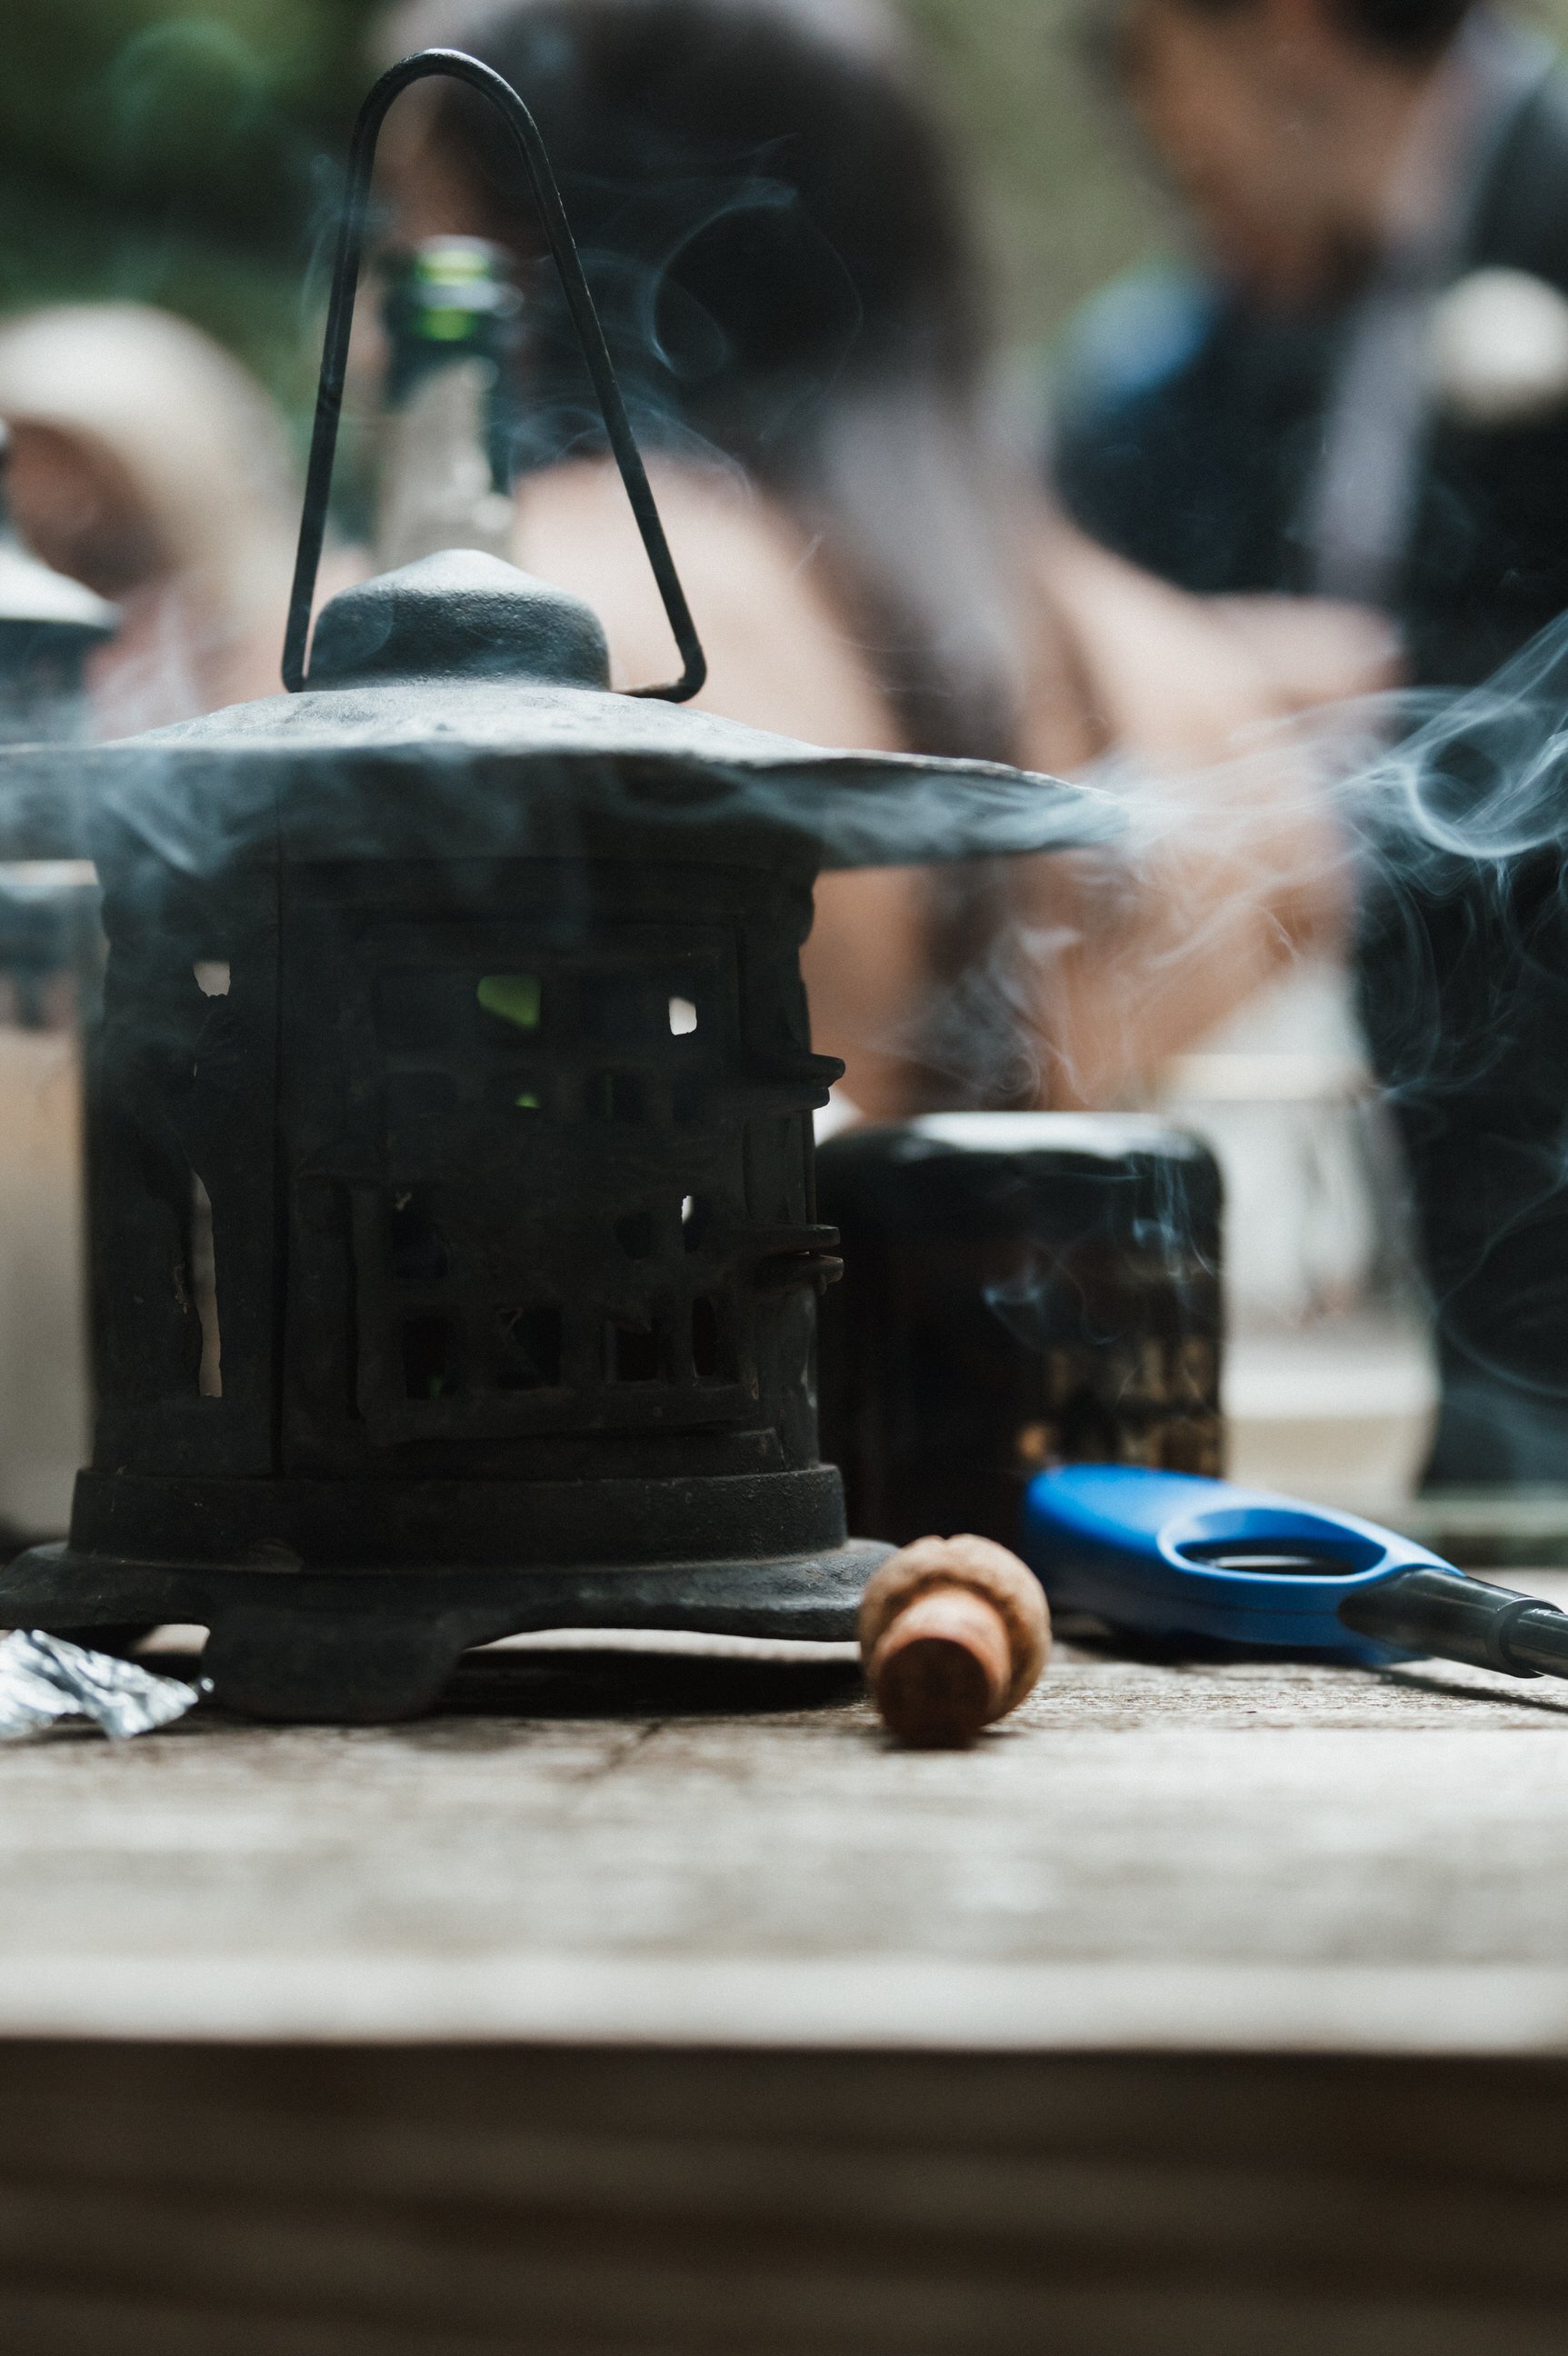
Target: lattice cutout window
point(557, 1241)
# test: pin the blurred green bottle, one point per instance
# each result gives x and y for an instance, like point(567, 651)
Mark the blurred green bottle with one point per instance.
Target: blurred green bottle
point(451, 318)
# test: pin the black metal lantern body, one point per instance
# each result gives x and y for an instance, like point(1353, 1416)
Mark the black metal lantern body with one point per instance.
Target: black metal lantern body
point(454, 1227)
point(454, 1224)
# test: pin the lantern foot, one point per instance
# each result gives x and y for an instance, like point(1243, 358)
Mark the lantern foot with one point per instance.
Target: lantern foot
point(373, 1646)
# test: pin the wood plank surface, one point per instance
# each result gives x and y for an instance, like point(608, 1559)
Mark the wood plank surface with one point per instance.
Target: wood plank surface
point(187, 2200)
point(696, 1847)
point(647, 2003)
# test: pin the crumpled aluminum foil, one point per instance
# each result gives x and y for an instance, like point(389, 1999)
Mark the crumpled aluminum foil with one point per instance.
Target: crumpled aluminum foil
point(43, 1679)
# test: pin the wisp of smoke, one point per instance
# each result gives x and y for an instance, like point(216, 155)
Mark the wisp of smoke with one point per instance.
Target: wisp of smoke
point(1382, 809)
point(1428, 834)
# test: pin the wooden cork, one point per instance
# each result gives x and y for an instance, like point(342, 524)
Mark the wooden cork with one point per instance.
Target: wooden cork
point(953, 1633)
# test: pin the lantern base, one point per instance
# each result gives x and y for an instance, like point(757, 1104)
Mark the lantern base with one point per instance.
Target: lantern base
point(364, 1647)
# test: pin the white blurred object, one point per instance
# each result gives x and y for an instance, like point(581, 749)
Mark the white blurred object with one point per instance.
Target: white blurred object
point(1340, 1414)
point(1278, 1094)
point(1498, 347)
point(839, 1112)
point(1330, 1380)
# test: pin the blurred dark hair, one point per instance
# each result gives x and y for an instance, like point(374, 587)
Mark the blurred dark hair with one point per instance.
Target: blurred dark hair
point(762, 209)
point(1414, 29)
point(777, 235)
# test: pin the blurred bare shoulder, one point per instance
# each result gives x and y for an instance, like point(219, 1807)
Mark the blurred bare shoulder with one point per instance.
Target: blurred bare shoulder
point(781, 653)
point(1170, 677)
point(1315, 650)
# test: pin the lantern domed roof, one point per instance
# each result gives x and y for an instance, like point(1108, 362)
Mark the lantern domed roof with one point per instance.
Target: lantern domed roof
point(474, 699)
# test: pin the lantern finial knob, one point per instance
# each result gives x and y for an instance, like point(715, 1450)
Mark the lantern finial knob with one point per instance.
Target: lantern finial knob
point(461, 615)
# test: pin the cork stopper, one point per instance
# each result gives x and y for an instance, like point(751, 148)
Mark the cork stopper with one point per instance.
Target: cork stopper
point(953, 1633)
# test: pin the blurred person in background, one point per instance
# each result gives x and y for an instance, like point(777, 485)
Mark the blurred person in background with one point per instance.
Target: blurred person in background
point(1363, 391)
point(147, 463)
point(780, 245)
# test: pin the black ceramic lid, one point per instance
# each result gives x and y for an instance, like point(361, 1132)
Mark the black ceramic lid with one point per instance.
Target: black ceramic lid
point(466, 693)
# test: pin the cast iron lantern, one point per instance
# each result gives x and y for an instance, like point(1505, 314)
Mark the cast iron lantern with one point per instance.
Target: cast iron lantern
point(454, 1231)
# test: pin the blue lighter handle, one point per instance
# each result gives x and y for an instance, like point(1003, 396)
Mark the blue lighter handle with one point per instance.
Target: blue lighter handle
point(1172, 1555)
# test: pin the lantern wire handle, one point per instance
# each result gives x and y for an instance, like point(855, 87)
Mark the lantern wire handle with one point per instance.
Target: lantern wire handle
point(584, 317)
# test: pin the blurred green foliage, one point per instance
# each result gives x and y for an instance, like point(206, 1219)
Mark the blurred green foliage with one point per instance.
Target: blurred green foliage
point(176, 158)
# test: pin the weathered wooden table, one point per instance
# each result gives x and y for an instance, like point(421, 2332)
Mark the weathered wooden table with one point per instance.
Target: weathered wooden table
point(654, 2003)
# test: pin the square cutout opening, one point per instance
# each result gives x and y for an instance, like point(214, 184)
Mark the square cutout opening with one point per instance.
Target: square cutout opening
point(532, 1343)
point(432, 1357)
point(632, 1354)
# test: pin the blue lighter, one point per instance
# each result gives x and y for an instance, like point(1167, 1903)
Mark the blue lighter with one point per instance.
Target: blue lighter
point(1166, 1555)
